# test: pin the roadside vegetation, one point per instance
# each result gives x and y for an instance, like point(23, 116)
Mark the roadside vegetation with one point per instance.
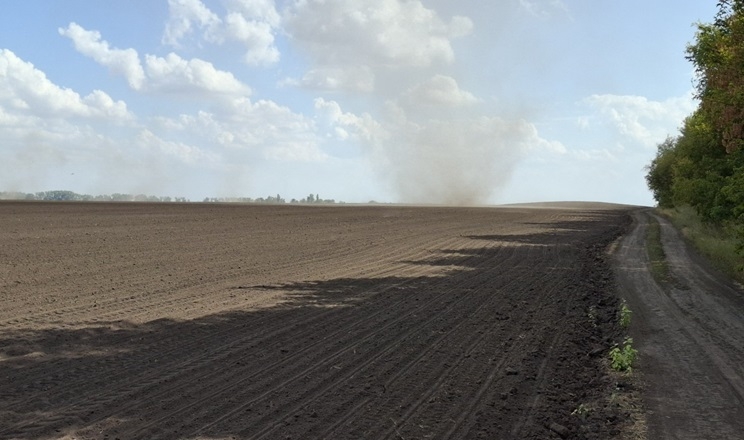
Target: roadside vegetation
point(623, 356)
point(719, 243)
point(625, 314)
point(697, 177)
point(625, 393)
point(655, 250)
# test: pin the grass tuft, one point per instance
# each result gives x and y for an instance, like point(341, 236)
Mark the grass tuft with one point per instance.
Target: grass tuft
point(655, 250)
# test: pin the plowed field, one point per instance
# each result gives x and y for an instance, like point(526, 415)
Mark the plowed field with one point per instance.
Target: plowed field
point(227, 321)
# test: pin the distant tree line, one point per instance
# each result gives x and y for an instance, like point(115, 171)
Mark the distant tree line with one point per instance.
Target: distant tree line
point(703, 167)
point(70, 196)
point(311, 199)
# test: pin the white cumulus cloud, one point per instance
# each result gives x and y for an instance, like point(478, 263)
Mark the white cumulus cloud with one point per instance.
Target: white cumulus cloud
point(175, 74)
point(265, 10)
point(245, 131)
point(120, 61)
point(257, 36)
point(369, 34)
point(440, 90)
point(185, 16)
point(641, 119)
point(27, 90)
point(348, 125)
point(372, 32)
point(159, 74)
point(252, 23)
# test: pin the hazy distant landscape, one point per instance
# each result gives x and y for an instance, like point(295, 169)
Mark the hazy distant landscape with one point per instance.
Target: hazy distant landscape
point(70, 196)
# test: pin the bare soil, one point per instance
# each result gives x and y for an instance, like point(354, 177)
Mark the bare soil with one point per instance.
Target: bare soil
point(690, 334)
point(277, 322)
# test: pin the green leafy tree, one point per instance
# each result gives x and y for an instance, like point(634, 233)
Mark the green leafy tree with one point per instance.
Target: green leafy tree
point(718, 57)
point(660, 177)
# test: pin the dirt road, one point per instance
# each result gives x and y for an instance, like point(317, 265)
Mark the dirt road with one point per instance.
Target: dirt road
point(222, 321)
point(690, 333)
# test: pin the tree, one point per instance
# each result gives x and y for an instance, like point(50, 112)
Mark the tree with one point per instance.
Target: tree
point(718, 57)
point(660, 176)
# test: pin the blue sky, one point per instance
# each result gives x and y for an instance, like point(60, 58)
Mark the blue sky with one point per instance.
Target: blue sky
point(421, 101)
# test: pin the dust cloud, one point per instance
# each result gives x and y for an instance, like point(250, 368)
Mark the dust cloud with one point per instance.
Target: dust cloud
point(456, 162)
point(435, 132)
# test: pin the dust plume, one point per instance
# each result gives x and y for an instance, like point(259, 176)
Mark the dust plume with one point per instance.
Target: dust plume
point(455, 162)
point(434, 153)
point(404, 95)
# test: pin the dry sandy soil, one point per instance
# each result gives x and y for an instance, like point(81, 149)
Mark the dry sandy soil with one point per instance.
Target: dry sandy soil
point(225, 321)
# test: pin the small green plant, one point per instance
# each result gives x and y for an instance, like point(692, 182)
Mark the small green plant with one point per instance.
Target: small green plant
point(625, 314)
point(592, 315)
point(623, 357)
point(582, 411)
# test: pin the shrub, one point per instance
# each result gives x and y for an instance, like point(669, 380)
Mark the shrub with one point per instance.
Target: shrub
point(623, 357)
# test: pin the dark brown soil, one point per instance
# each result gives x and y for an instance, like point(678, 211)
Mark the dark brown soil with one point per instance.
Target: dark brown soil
point(223, 321)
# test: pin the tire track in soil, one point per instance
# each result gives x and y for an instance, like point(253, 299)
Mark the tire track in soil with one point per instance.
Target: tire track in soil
point(462, 420)
point(465, 421)
point(327, 359)
point(367, 328)
point(463, 357)
point(386, 351)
